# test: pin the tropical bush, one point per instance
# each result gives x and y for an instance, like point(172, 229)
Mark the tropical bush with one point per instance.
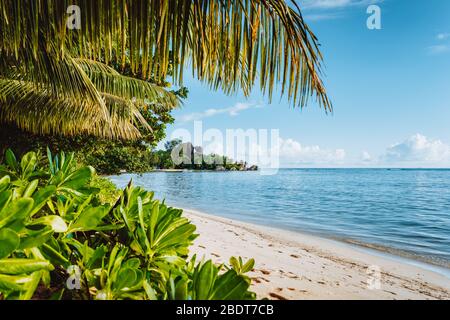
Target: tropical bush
point(62, 237)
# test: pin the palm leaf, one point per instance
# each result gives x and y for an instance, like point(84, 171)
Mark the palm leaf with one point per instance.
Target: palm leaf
point(108, 80)
point(229, 44)
point(40, 112)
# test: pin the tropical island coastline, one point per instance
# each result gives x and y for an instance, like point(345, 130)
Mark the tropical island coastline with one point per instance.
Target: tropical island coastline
point(89, 92)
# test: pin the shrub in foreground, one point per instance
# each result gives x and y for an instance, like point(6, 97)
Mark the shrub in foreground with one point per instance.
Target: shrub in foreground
point(61, 237)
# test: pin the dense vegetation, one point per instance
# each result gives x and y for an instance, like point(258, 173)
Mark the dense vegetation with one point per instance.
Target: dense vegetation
point(189, 157)
point(109, 157)
point(67, 234)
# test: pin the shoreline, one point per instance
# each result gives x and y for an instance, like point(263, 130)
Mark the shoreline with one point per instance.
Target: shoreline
point(294, 265)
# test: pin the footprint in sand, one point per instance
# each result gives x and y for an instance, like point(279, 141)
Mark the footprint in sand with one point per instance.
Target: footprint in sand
point(292, 275)
point(295, 256)
point(264, 272)
point(215, 255)
point(276, 296)
point(256, 280)
point(202, 247)
point(303, 291)
point(393, 293)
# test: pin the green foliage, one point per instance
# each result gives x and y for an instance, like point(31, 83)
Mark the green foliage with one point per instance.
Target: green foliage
point(57, 217)
point(107, 191)
point(193, 158)
point(208, 284)
point(106, 156)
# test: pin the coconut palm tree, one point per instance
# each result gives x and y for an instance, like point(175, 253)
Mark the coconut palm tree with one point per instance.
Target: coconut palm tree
point(57, 79)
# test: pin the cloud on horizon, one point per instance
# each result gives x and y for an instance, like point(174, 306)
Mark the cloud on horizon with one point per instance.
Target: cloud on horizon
point(418, 149)
point(231, 111)
point(293, 153)
point(415, 151)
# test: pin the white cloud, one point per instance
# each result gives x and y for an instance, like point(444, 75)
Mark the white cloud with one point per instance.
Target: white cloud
point(332, 4)
point(231, 111)
point(443, 36)
point(438, 49)
point(419, 150)
point(318, 10)
point(322, 16)
point(289, 153)
point(293, 153)
point(366, 157)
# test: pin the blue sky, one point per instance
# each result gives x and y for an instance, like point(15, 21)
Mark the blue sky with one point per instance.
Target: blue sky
point(390, 90)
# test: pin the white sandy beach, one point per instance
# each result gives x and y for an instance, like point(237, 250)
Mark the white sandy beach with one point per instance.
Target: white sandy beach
point(291, 265)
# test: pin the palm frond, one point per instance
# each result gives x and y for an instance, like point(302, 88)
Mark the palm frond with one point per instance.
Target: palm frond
point(108, 80)
point(214, 36)
point(38, 111)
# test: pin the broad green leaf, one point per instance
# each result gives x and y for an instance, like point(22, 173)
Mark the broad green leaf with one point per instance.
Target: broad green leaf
point(181, 290)
point(5, 198)
point(57, 223)
point(126, 279)
point(234, 263)
point(204, 281)
point(248, 266)
point(41, 197)
point(178, 236)
point(11, 160)
point(21, 266)
point(97, 256)
point(9, 241)
point(132, 263)
point(30, 188)
point(4, 183)
point(89, 219)
point(50, 161)
point(13, 283)
point(16, 210)
point(230, 286)
point(33, 239)
point(54, 256)
point(151, 293)
point(79, 178)
point(153, 221)
point(31, 286)
point(28, 164)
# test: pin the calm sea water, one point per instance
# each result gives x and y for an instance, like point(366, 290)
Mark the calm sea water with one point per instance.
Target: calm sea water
point(406, 212)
